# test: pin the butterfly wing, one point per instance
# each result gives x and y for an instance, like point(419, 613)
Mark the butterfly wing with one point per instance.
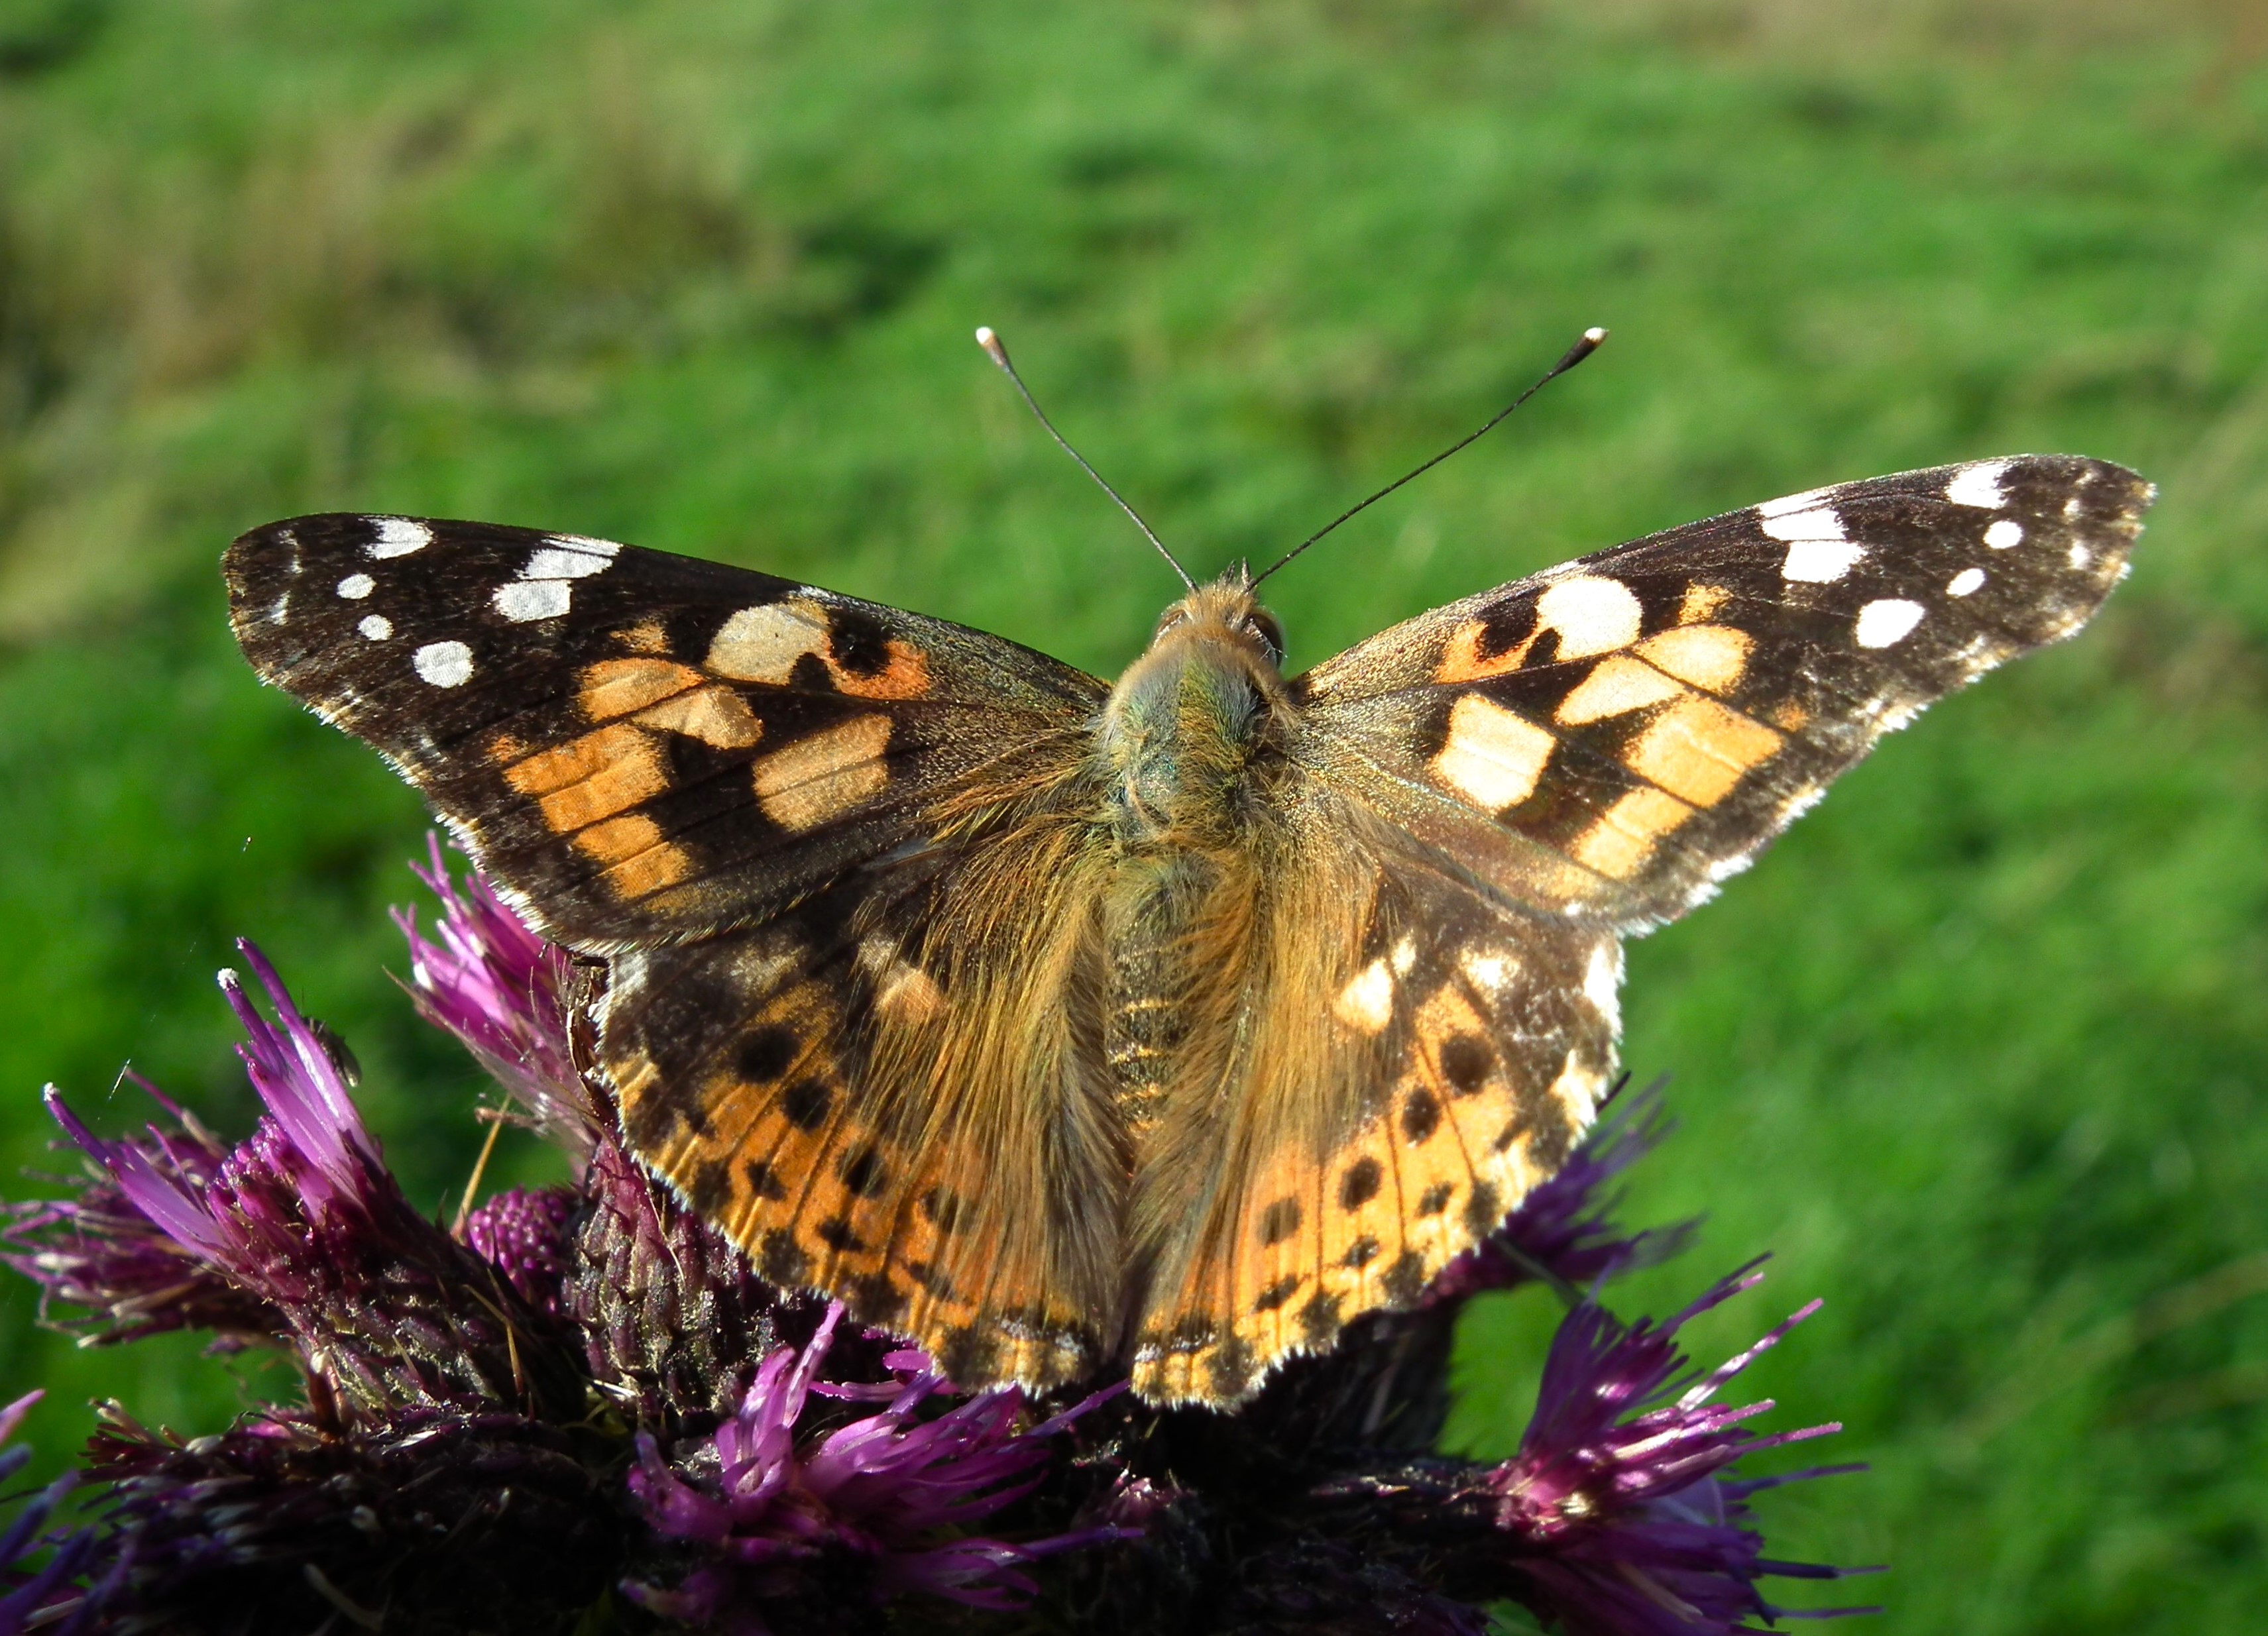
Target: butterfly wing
point(1630, 728)
point(1487, 797)
point(892, 1091)
point(1417, 1054)
point(834, 851)
point(638, 747)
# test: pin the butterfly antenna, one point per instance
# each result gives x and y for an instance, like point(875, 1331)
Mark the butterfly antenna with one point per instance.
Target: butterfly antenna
point(1583, 348)
point(993, 348)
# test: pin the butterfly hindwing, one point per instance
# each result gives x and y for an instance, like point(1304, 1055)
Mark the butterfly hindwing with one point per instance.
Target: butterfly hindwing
point(892, 1092)
point(1418, 1055)
point(636, 746)
point(1638, 724)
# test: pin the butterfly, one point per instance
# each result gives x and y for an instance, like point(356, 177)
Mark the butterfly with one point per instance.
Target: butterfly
point(1171, 1024)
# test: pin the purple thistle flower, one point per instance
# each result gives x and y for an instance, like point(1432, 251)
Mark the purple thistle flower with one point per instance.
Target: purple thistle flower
point(887, 1487)
point(99, 1251)
point(1626, 1526)
point(32, 1592)
point(673, 1322)
point(304, 1218)
point(522, 1233)
point(1562, 1231)
point(507, 994)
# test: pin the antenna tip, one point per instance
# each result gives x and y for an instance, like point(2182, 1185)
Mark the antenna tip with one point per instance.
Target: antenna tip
point(990, 341)
point(1594, 334)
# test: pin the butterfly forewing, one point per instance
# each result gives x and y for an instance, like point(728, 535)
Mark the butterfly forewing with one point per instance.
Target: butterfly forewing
point(637, 745)
point(1640, 722)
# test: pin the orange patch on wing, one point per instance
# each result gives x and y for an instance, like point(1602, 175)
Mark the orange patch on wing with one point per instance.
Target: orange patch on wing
point(906, 676)
point(1462, 660)
point(1698, 750)
point(902, 991)
point(1700, 604)
point(591, 777)
point(638, 861)
point(1621, 840)
point(820, 778)
point(765, 644)
point(613, 687)
point(646, 636)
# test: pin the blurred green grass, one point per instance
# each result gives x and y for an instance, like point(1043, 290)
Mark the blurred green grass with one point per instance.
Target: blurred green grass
point(1979, 1049)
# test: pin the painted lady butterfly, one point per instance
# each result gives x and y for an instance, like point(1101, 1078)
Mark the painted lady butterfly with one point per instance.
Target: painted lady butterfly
point(1172, 1023)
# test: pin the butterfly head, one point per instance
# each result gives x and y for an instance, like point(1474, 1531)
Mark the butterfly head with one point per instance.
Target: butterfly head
point(1190, 721)
point(1225, 612)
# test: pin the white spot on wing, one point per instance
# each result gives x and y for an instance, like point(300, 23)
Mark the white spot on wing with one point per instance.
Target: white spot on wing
point(524, 599)
point(1490, 971)
point(1603, 977)
point(444, 664)
point(355, 587)
point(762, 643)
point(1591, 614)
point(397, 537)
point(1787, 503)
point(1887, 621)
point(2080, 556)
point(575, 561)
point(1821, 523)
point(377, 627)
point(1820, 561)
point(1366, 1003)
point(2004, 533)
point(1978, 485)
point(1966, 581)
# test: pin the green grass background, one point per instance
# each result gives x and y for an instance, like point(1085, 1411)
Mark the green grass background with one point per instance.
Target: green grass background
point(1980, 1050)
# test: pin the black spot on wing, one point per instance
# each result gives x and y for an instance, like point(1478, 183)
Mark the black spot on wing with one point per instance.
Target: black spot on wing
point(1359, 1182)
point(806, 1104)
point(1466, 1061)
point(1279, 1221)
point(1421, 1117)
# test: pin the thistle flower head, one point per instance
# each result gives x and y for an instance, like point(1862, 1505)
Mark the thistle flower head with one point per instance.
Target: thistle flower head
point(1623, 1519)
point(890, 1487)
point(305, 1220)
point(505, 994)
point(523, 1234)
point(97, 1251)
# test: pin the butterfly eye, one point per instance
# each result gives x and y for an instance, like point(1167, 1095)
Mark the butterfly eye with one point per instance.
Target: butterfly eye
point(1263, 624)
